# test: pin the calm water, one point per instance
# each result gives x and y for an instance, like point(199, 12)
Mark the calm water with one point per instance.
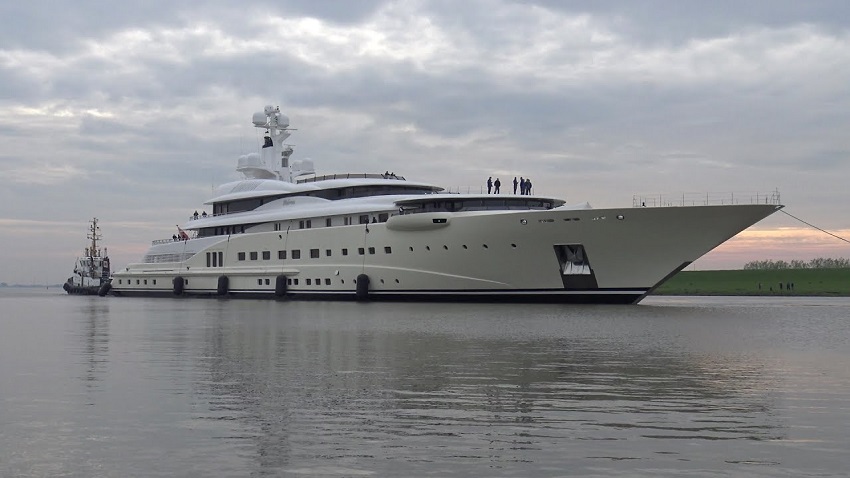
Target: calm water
point(121, 387)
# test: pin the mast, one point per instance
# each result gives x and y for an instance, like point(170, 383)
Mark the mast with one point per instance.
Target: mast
point(272, 162)
point(94, 236)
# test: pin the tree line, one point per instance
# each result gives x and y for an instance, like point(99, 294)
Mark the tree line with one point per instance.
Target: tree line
point(819, 263)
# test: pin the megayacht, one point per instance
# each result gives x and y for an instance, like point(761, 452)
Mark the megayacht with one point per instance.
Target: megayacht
point(284, 232)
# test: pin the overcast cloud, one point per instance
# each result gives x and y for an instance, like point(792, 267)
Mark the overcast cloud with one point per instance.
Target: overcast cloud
point(132, 113)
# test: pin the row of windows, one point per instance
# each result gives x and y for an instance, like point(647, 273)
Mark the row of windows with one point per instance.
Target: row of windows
point(250, 204)
point(266, 281)
point(215, 259)
point(130, 281)
point(296, 254)
point(294, 281)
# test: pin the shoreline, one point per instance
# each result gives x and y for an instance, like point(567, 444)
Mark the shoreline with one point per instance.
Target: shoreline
point(761, 283)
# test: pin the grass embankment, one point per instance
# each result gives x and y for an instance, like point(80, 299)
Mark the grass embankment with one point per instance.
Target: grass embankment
point(809, 282)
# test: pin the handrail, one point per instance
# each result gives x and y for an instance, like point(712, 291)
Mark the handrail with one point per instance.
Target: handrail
point(706, 199)
point(350, 176)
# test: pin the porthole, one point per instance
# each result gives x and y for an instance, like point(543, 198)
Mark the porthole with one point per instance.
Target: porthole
point(411, 248)
point(396, 281)
point(445, 247)
point(382, 281)
point(486, 246)
point(620, 217)
point(464, 246)
point(427, 248)
point(513, 245)
point(523, 222)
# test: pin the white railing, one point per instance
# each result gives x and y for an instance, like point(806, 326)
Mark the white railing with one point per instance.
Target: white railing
point(706, 199)
point(313, 179)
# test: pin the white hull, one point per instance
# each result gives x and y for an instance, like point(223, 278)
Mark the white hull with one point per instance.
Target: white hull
point(478, 255)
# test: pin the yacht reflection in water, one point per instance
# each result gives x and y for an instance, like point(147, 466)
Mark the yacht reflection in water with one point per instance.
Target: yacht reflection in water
point(321, 384)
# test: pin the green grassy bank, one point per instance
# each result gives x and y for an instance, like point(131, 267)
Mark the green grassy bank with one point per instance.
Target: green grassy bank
point(819, 282)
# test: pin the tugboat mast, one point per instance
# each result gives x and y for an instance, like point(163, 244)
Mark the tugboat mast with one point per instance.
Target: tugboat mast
point(94, 236)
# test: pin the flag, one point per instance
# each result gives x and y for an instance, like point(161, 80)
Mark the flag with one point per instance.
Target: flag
point(182, 234)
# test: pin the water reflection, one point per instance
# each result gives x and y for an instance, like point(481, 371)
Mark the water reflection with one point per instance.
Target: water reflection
point(321, 381)
point(94, 334)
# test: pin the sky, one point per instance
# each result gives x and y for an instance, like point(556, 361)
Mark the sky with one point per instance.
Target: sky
point(132, 112)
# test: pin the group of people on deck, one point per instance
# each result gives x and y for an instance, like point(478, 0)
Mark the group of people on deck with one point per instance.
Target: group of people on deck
point(494, 187)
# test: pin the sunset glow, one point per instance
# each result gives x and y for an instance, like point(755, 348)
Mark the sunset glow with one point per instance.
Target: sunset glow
point(786, 243)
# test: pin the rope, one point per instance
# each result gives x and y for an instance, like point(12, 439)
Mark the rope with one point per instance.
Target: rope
point(812, 225)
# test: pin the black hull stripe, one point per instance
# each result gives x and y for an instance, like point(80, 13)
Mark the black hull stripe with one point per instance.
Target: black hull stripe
point(618, 296)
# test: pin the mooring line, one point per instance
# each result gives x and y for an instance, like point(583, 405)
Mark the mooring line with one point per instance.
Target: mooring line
point(812, 225)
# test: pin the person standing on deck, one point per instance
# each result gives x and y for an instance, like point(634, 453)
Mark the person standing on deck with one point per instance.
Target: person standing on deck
point(489, 184)
point(498, 185)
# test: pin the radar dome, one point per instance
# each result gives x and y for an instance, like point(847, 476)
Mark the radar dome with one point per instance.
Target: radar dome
point(260, 119)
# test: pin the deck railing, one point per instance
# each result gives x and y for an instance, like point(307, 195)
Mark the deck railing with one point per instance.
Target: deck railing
point(351, 176)
point(706, 199)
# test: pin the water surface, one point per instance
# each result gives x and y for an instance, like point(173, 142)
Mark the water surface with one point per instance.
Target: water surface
point(704, 386)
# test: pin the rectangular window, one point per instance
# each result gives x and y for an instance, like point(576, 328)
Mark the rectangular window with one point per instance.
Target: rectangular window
point(345, 252)
point(364, 219)
point(308, 282)
point(267, 255)
point(328, 252)
point(347, 221)
point(301, 224)
point(266, 281)
point(327, 282)
point(254, 255)
point(371, 250)
point(314, 253)
point(309, 223)
point(382, 217)
point(281, 255)
point(240, 256)
point(154, 282)
point(328, 222)
point(296, 253)
point(288, 281)
point(208, 259)
point(296, 281)
point(221, 258)
point(214, 259)
point(361, 251)
point(259, 281)
point(146, 282)
point(318, 281)
point(388, 250)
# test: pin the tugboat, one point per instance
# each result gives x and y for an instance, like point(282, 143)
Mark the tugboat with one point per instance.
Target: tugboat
point(91, 272)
